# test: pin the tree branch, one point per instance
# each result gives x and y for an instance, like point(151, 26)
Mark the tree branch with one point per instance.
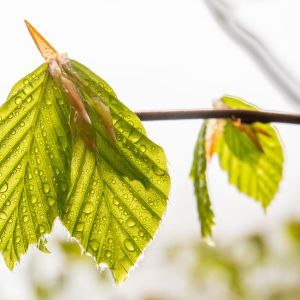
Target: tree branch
point(246, 116)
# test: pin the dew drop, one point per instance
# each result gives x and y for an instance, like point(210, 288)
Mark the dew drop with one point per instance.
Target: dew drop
point(135, 136)
point(42, 229)
point(22, 124)
point(29, 99)
point(46, 187)
point(3, 215)
point(110, 241)
point(18, 100)
point(158, 171)
point(33, 199)
point(130, 222)
point(48, 101)
point(4, 188)
point(79, 226)
point(108, 253)
point(51, 201)
point(116, 202)
point(141, 233)
point(64, 186)
point(88, 208)
point(25, 219)
point(18, 239)
point(128, 245)
point(94, 245)
point(143, 148)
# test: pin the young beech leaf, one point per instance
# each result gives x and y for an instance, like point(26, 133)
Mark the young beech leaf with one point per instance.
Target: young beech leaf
point(251, 154)
point(34, 162)
point(70, 148)
point(198, 175)
point(118, 192)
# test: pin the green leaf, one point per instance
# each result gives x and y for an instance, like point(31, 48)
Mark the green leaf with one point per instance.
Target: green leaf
point(198, 175)
point(252, 155)
point(119, 192)
point(34, 163)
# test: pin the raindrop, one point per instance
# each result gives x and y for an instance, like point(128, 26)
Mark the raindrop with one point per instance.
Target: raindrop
point(48, 101)
point(33, 199)
point(51, 201)
point(110, 241)
point(108, 253)
point(79, 226)
point(135, 136)
point(46, 187)
point(141, 233)
point(18, 239)
point(25, 219)
point(116, 202)
point(22, 124)
point(3, 215)
point(158, 171)
point(130, 222)
point(143, 148)
point(42, 229)
point(94, 245)
point(88, 208)
point(128, 245)
point(64, 186)
point(4, 188)
point(29, 98)
point(18, 100)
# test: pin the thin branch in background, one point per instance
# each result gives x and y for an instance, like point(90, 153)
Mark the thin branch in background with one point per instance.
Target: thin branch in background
point(246, 116)
point(223, 13)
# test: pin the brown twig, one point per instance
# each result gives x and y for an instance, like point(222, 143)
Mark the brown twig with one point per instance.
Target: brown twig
point(246, 116)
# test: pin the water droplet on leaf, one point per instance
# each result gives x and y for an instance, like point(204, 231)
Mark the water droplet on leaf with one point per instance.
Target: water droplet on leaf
point(33, 199)
point(4, 188)
point(3, 215)
point(108, 253)
point(46, 187)
point(128, 245)
point(88, 208)
point(130, 222)
point(25, 219)
point(94, 245)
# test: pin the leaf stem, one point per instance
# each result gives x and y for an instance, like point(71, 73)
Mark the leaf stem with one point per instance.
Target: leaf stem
point(246, 116)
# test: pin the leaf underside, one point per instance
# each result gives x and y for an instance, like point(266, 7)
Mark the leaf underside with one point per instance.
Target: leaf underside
point(198, 175)
point(118, 194)
point(34, 162)
point(254, 172)
point(111, 200)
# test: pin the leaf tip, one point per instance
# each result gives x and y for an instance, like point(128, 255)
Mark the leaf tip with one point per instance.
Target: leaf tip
point(42, 44)
point(209, 241)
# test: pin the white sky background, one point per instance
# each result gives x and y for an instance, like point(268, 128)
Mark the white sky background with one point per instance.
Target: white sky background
point(157, 55)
